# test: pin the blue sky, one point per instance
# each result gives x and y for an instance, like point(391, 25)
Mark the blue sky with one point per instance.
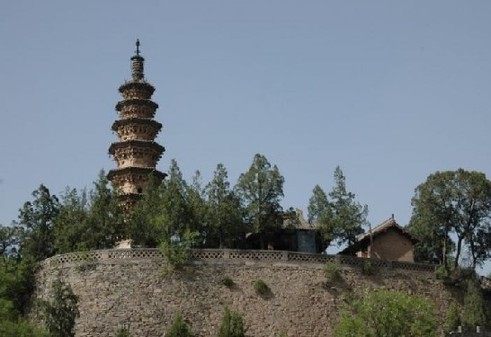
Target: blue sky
point(391, 91)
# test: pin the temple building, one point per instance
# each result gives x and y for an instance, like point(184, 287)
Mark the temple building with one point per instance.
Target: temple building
point(136, 153)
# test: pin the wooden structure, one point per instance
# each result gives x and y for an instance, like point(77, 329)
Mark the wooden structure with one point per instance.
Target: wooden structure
point(136, 153)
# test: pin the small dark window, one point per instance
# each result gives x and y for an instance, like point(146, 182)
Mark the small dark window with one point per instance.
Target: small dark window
point(140, 190)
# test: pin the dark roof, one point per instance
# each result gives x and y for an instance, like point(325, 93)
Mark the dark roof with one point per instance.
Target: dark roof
point(363, 240)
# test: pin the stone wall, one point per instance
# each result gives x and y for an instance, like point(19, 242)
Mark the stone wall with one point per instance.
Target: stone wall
point(131, 288)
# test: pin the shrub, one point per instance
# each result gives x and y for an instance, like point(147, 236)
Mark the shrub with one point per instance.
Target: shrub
point(332, 272)
point(227, 282)
point(179, 328)
point(452, 320)
point(232, 325)
point(61, 311)
point(122, 332)
point(178, 252)
point(367, 268)
point(261, 287)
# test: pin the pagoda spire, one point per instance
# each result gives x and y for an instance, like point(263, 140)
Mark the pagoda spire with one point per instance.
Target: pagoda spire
point(136, 153)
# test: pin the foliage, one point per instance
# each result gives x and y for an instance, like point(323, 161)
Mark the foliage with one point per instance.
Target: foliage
point(122, 332)
point(260, 190)
point(474, 313)
point(35, 224)
point(454, 203)
point(452, 320)
point(389, 314)
point(227, 282)
point(147, 222)
point(224, 215)
point(367, 268)
point(332, 272)
point(261, 287)
point(179, 328)
point(88, 220)
point(232, 325)
point(61, 311)
point(340, 217)
point(178, 250)
point(20, 328)
point(318, 205)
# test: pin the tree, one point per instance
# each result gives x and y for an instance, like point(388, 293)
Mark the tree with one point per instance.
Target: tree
point(318, 205)
point(105, 216)
point(341, 218)
point(453, 203)
point(60, 313)
point(383, 313)
point(35, 223)
point(71, 222)
point(197, 206)
point(179, 328)
point(232, 325)
point(474, 313)
point(260, 190)
point(224, 212)
point(147, 221)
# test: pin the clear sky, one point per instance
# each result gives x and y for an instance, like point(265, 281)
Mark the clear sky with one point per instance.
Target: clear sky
point(391, 91)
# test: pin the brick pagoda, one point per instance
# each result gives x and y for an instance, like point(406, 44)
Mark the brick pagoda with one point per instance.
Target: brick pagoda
point(136, 153)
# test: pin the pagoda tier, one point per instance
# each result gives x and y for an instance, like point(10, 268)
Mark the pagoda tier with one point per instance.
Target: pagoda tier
point(136, 108)
point(136, 153)
point(136, 128)
point(133, 180)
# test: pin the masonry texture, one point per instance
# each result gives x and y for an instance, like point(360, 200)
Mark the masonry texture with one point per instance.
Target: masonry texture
point(138, 294)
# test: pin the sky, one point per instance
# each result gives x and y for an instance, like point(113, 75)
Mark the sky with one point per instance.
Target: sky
point(391, 91)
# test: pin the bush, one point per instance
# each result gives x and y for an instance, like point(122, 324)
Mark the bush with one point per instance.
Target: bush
point(179, 328)
point(232, 325)
point(227, 282)
point(367, 268)
point(122, 332)
point(332, 272)
point(452, 320)
point(261, 287)
point(178, 252)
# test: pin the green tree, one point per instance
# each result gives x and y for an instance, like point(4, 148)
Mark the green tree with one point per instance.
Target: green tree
point(224, 212)
point(260, 190)
point(318, 205)
point(105, 216)
point(474, 313)
point(232, 325)
point(342, 218)
point(88, 221)
point(61, 311)
point(35, 224)
point(71, 221)
point(383, 313)
point(453, 202)
point(147, 221)
point(179, 328)
point(197, 206)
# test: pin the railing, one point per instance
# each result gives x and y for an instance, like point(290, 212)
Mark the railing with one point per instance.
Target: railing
point(139, 254)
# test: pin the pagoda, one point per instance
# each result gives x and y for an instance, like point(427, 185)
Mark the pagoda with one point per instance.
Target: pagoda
point(136, 153)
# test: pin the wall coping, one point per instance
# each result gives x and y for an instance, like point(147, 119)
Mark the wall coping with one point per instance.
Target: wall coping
point(229, 255)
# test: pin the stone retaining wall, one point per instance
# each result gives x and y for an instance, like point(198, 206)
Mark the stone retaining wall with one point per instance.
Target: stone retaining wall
point(131, 288)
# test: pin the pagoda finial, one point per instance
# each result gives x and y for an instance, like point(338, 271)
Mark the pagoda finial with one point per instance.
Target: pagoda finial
point(137, 63)
point(137, 47)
